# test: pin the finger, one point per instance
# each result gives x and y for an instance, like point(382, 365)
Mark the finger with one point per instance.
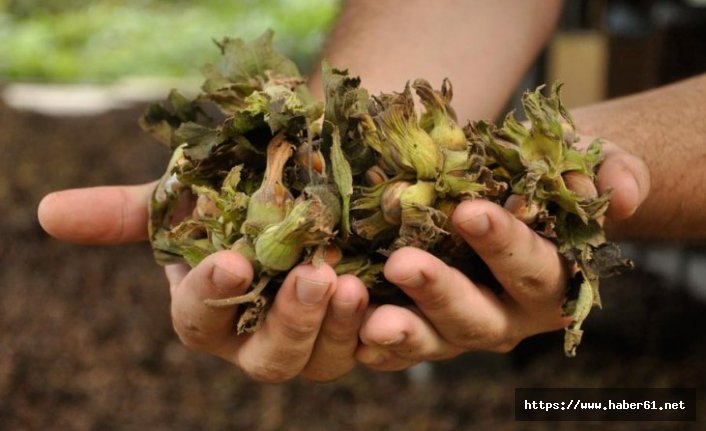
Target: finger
point(175, 274)
point(281, 348)
point(332, 356)
point(382, 359)
point(400, 332)
point(527, 265)
point(97, 215)
point(220, 275)
point(466, 315)
point(375, 354)
point(629, 178)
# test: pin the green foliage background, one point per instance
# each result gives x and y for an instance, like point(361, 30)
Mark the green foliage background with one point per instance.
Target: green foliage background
point(104, 40)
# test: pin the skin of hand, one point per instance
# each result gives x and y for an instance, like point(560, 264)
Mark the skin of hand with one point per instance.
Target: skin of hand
point(655, 129)
point(453, 314)
point(311, 329)
point(313, 326)
point(665, 127)
point(471, 44)
point(319, 340)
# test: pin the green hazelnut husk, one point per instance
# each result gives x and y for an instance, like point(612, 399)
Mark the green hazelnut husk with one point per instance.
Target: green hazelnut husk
point(310, 222)
point(409, 147)
point(440, 119)
point(272, 201)
point(372, 177)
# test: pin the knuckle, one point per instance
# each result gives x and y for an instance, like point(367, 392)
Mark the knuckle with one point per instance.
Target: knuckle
point(542, 277)
point(502, 243)
point(470, 338)
point(506, 345)
point(435, 300)
point(443, 355)
point(267, 371)
point(531, 282)
point(417, 349)
point(411, 349)
point(534, 280)
point(339, 335)
point(494, 339)
point(321, 375)
point(298, 328)
point(191, 335)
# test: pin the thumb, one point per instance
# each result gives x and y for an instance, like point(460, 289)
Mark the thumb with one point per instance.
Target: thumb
point(629, 178)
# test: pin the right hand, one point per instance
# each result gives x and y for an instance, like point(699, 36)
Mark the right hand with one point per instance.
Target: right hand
point(453, 314)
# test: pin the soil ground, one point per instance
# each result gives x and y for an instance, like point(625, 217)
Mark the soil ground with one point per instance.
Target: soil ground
point(86, 340)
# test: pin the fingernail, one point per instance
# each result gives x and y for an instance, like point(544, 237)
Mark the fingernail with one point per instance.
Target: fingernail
point(224, 280)
point(310, 292)
point(345, 310)
point(477, 225)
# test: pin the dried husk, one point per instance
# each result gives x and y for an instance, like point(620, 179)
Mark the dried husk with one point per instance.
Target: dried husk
point(373, 177)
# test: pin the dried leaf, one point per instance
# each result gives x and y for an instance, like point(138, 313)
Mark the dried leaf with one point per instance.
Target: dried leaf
point(344, 181)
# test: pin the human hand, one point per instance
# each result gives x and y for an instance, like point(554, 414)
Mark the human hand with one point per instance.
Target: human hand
point(455, 315)
point(311, 329)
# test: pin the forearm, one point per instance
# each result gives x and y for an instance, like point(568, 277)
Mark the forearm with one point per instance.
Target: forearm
point(483, 47)
point(667, 128)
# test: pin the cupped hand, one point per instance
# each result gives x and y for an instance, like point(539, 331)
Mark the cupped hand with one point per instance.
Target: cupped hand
point(452, 314)
point(311, 329)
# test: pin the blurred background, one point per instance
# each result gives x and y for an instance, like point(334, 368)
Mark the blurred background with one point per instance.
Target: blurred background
point(85, 334)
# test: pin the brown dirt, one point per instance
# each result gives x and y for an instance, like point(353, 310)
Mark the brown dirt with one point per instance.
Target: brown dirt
point(86, 340)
